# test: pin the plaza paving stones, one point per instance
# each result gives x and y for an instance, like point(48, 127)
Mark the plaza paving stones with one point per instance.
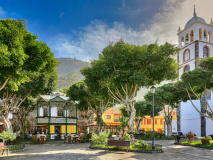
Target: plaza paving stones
point(63, 151)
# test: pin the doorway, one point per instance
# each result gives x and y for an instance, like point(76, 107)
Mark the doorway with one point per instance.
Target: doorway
point(57, 132)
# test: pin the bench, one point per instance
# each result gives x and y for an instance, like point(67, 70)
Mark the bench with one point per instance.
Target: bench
point(2, 147)
point(117, 143)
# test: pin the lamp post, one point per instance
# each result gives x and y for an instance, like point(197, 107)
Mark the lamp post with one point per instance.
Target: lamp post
point(152, 89)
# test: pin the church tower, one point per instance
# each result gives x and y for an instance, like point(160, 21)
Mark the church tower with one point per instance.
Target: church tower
point(195, 42)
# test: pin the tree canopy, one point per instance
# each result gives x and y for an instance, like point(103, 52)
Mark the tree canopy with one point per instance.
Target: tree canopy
point(123, 68)
point(21, 54)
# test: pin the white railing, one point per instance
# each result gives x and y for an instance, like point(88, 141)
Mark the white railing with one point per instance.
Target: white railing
point(43, 120)
point(57, 120)
point(69, 120)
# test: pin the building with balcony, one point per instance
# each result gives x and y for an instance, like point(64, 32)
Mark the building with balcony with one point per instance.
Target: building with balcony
point(56, 115)
point(112, 116)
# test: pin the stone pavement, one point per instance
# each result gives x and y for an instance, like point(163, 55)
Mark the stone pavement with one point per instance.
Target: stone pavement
point(63, 151)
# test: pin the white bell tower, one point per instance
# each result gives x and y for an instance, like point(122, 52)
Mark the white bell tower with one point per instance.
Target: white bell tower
point(195, 42)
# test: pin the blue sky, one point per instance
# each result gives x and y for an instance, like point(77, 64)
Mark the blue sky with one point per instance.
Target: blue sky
point(82, 28)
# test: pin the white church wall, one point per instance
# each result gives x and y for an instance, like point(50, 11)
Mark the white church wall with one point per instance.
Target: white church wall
point(190, 118)
point(209, 127)
point(209, 122)
point(174, 125)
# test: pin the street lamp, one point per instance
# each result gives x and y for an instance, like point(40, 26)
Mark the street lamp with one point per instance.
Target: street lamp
point(152, 89)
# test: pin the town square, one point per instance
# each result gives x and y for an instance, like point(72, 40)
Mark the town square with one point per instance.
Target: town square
point(106, 79)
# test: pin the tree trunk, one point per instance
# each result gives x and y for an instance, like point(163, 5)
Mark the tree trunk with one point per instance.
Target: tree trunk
point(138, 125)
point(168, 120)
point(132, 117)
point(169, 130)
point(7, 123)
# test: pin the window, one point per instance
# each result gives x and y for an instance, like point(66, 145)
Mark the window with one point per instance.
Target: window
point(161, 121)
point(159, 130)
point(60, 112)
point(186, 55)
point(182, 41)
point(186, 68)
point(118, 117)
point(205, 52)
point(187, 39)
point(45, 112)
point(107, 116)
point(156, 121)
point(192, 36)
point(148, 121)
point(205, 35)
point(173, 113)
point(200, 34)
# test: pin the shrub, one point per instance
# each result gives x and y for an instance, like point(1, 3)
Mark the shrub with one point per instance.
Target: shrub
point(5, 136)
point(127, 137)
point(190, 136)
point(102, 138)
point(140, 144)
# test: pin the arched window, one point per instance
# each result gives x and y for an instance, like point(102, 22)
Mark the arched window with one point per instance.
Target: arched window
point(205, 52)
point(187, 39)
point(192, 35)
point(182, 41)
point(209, 36)
point(205, 35)
point(186, 55)
point(186, 68)
point(200, 34)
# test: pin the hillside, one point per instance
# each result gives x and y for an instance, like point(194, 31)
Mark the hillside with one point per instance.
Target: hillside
point(69, 71)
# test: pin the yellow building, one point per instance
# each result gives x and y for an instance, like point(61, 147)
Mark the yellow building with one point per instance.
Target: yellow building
point(111, 118)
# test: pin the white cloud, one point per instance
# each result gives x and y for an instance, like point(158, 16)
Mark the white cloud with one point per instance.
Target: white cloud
point(94, 37)
point(2, 12)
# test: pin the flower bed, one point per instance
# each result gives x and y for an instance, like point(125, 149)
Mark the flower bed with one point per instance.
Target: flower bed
point(133, 148)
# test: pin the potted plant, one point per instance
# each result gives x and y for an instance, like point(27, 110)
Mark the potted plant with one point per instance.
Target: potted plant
point(190, 136)
point(206, 139)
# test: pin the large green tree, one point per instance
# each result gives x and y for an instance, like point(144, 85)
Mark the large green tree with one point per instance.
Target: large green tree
point(91, 98)
point(28, 67)
point(143, 108)
point(124, 68)
point(168, 97)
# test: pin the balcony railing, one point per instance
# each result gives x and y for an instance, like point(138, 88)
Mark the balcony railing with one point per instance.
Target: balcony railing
point(116, 120)
point(57, 119)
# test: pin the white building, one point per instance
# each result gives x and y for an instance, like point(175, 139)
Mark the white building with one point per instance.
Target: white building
point(196, 42)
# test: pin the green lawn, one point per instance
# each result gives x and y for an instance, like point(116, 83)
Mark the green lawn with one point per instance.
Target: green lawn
point(15, 148)
point(198, 143)
point(131, 147)
point(150, 138)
